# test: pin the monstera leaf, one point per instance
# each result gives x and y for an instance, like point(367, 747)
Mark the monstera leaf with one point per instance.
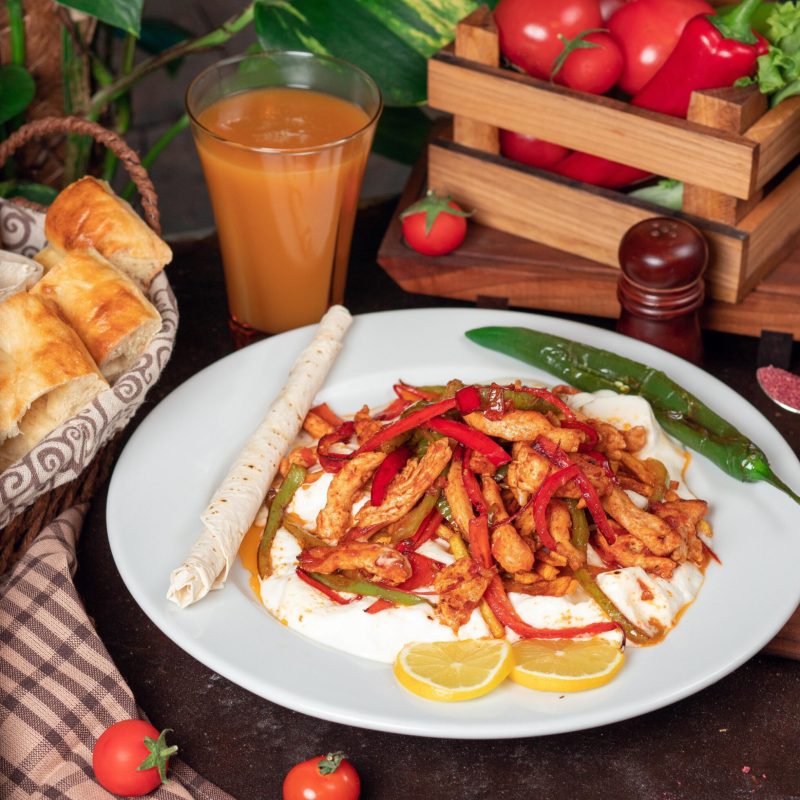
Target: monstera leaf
point(389, 39)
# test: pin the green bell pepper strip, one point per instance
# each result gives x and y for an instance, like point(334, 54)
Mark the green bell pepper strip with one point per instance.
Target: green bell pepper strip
point(339, 583)
point(291, 483)
point(679, 412)
point(580, 539)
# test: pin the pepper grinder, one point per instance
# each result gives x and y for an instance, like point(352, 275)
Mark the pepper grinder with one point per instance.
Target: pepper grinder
point(661, 287)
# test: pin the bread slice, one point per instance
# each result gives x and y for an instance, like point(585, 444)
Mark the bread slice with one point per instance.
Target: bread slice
point(107, 310)
point(46, 374)
point(88, 214)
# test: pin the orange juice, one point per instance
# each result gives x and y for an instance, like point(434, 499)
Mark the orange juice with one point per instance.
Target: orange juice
point(283, 168)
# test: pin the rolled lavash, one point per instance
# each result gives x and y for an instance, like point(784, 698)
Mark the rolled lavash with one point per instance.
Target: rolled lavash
point(236, 502)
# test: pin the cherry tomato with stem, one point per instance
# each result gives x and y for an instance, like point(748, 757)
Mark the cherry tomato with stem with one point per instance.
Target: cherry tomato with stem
point(529, 30)
point(591, 62)
point(434, 226)
point(330, 777)
point(130, 758)
point(530, 150)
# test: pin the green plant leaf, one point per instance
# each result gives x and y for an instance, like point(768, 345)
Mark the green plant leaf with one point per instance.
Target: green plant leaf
point(401, 134)
point(391, 40)
point(35, 192)
point(124, 14)
point(17, 89)
point(159, 34)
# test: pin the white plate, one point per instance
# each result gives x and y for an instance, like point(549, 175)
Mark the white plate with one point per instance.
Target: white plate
point(179, 454)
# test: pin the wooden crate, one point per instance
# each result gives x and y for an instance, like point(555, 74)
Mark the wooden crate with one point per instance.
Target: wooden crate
point(734, 156)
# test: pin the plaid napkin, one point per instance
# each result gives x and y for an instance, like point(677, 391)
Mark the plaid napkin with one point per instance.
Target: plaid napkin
point(59, 688)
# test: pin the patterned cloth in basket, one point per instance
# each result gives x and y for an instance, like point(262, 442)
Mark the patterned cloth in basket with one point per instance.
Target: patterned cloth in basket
point(68, 450)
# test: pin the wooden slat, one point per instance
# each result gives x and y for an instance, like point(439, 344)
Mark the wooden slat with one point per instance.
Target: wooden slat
point(477, 40)
point(732, 110)
point(778, 134)
point(584, 220)
point(598, 125)
point(772, 227)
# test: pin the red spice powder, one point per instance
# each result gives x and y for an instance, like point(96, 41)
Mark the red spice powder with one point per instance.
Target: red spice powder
point(781, 385)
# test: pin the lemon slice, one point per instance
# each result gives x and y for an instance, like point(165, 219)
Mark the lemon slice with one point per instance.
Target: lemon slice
point(451, 671)
point(565, 665)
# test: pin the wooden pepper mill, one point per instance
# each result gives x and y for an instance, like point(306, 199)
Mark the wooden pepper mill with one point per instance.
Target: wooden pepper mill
point(661, 287)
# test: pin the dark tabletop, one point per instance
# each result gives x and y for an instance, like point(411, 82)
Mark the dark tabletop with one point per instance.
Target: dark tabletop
point(734, 739)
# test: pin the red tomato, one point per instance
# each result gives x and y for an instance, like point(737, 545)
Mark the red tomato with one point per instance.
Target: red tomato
point(530, 150)
point(121, 749)
point(330, 777)
point(434, 225)
point(593, 69)
point(529, 30)
point(610, 7)
point(647, 31)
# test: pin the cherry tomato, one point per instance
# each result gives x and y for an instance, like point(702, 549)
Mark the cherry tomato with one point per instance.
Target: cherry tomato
point(529, 30)
point(609, 7)
point(330, 777)
point(594, 69)
point(122, 749)
point(530, 150)
point(647, 31)
point(434, 225)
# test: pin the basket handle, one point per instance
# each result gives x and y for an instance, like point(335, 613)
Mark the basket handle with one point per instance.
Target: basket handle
point(47, 126)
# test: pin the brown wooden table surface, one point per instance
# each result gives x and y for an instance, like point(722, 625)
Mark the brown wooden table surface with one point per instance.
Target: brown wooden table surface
point(734, 739)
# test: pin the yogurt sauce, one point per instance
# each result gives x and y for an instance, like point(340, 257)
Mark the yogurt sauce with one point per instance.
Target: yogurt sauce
point(649, 602)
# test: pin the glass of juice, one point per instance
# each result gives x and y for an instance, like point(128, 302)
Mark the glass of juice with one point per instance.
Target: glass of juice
point(283, 138)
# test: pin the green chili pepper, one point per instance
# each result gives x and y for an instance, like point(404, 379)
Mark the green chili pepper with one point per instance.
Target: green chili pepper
point(304, 538)
point(580, 527)
point(340, 583)
point(678, 411)
point(445, 510)
point(408, 525)
point(589, 585)
point(293, 480)
point(662, 479)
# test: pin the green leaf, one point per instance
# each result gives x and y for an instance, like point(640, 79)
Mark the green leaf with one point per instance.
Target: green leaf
point(35, 192)
point(401, 134)
point(390, 40)
point(159, 34)
point(667, 193)
point(17, 89)
point(124, 14)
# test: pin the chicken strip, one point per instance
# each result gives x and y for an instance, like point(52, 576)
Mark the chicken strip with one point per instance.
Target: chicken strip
point(316, 425)
point(628, 551)
point(528, 469)
point(509, 549)
point(559, 520)
point(457, 498)
point(407, 487)
point(525, 426)
point(337, 516)
point(365, 426)
point(378, 560)
point(657, 536)
point(683, 516)
point(460, 587)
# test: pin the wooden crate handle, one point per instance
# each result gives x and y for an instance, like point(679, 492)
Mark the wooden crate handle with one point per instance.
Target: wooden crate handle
point(477, 40)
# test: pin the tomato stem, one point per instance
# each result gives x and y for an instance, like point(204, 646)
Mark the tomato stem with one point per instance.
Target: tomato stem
point(159, 754)
point(330, 763)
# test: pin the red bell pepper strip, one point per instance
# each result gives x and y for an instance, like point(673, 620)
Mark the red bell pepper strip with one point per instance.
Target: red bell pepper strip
point(714, 51)
point(412, 393)
point(501, 605)
point(427, 530)
point(423, 572)
point(551, 485)
point(592, 437)
point(383, 476)
point(471, 484)
point(468, 399)
point(393, 410)
point(379, 605)
point(480, 547)
point(470, 437)
point(323, 410)
point(320, 587)
point(496, 406)
point(710, 552)
point(333, 462)
point(553, 452)
point(408, 423)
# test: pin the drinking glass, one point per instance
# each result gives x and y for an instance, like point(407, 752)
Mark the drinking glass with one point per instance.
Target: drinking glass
point(283, 138)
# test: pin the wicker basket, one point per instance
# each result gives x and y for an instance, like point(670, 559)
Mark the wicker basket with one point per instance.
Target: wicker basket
point(69, 464)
